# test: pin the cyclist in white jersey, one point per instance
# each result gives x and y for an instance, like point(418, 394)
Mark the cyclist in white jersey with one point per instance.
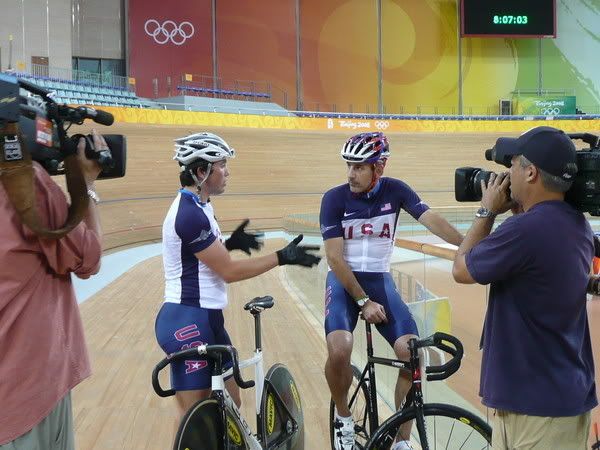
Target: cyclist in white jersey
point(358, 223)
point(197, 265)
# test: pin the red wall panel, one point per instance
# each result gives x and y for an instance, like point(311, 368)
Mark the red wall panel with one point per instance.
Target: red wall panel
point(168, 38)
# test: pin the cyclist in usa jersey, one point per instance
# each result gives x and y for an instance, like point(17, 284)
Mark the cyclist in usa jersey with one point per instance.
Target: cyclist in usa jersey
point(358, 224)
point(197, 265)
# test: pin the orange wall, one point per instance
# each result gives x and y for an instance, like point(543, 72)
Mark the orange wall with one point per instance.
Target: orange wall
point(257, 41)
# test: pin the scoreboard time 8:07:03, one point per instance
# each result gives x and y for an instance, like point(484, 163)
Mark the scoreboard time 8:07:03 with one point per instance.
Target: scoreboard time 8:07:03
point(519, 20)
point(508, 18)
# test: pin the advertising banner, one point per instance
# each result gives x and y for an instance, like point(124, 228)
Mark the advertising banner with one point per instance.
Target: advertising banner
point(545, 106)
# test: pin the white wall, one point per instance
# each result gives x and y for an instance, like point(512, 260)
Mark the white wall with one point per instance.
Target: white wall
point(39, 28)
point(59, 30)
point(98, 29)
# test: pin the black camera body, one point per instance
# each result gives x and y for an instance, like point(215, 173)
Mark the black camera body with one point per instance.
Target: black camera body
point(42, 124)
point(467, 183)
point(584, 194)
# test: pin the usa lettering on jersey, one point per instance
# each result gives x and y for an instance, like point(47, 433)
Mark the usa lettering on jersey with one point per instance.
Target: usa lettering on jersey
point(368, 223)
point(379, 227)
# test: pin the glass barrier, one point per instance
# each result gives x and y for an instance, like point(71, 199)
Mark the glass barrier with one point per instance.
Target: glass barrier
point(423, 275)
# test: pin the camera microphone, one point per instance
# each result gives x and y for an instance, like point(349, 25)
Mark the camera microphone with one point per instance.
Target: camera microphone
point(98, 116)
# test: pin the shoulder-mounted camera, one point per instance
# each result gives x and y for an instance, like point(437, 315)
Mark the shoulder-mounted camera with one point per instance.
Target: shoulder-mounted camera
point(584, 193)
point(34, 127)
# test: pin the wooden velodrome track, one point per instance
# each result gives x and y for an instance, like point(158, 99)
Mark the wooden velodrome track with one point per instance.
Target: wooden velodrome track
point(275, 173)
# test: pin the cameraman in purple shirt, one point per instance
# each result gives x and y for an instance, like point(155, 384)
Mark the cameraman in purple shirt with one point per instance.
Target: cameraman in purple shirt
point(537, 368)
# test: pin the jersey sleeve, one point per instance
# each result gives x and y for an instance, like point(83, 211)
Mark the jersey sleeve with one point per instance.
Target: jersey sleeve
point(499, 255)
point(410, 200)
point(193, 228)
point(330, 217)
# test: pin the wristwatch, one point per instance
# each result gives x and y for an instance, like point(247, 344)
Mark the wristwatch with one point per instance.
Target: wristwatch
point(362, 301)
point(93, 195)
point(485, 213)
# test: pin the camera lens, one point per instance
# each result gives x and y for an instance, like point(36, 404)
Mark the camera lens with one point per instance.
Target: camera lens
point(467, 183)
point(479, 176)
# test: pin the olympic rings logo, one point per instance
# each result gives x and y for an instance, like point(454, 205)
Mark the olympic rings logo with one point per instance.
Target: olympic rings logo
point(550, 111)
point(169, 31)
point(382, 124)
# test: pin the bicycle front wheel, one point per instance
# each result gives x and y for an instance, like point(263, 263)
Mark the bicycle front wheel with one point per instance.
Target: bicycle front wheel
point(446, 427)
point(203, 428)
point(359, 402)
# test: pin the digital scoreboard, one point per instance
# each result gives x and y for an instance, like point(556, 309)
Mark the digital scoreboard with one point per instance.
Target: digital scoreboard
point(508, 18)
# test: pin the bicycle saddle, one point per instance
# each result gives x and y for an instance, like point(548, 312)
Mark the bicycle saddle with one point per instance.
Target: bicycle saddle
point(259, 303)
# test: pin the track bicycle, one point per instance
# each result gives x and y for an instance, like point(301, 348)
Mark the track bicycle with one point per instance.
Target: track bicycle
point(216, 423)
point(437, 425)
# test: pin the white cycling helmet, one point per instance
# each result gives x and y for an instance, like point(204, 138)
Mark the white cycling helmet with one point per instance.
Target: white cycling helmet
point(201, 146)
point(366, 148)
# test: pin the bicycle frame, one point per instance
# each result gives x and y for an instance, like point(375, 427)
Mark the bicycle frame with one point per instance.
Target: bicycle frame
point(222, 396)
point(414, 395)
point(260, 440)
point(257, 362)
point(414, 403)
point(279, 416)
point(220, 393)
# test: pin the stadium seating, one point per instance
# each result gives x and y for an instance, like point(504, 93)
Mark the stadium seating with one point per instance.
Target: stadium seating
point(84, 93)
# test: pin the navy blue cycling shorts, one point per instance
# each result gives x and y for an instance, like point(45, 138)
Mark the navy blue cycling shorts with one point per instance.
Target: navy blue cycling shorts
point(341, 311)
point(179, 327)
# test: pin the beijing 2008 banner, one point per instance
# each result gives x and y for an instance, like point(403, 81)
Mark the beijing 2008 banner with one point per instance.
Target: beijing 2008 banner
point(167, 39)
point(545, 106)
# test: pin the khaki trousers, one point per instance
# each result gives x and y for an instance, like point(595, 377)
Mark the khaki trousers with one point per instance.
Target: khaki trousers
point(513, 431)
point(55, 432)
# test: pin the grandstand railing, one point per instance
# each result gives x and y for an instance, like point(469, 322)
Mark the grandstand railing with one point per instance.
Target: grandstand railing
point(218, 87)
point(106, 79)
point(259, 109)
point(424, 116)
point(233, 107)
point(319, 109)
point(540, 92)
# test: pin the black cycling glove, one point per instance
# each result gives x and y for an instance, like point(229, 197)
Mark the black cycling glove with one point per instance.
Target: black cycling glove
point(240, 240)
point(297, 254)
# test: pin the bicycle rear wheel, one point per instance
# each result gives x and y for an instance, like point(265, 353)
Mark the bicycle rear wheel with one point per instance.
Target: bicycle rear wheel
point(359, 402)
point(281, 410)
point(446, 426)
point(201, 425)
